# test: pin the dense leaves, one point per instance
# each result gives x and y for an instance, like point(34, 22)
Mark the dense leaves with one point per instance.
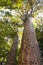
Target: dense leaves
point(12, 13)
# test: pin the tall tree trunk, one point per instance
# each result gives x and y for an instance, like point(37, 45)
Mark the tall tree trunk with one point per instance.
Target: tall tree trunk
point(29, 53)
point(11, 59)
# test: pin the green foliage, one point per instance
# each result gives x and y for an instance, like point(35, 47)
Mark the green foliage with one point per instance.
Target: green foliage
point(9, 24)
point(39, 34)
point(6, 35)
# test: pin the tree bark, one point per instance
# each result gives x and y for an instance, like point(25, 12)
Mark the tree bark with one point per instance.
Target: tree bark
point(29, 53)
point(11, 59)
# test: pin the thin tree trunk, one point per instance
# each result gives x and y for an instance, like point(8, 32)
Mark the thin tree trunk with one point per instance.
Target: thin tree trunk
point(29, 53)
point(11, 59)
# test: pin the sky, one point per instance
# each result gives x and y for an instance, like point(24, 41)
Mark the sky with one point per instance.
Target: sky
point(40, 15)
point(40, 0)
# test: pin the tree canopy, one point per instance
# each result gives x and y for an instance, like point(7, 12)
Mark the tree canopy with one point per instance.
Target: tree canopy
point(12, 17)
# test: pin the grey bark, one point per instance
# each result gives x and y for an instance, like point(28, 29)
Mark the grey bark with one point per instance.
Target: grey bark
point(11, 59)
point(29, 53)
